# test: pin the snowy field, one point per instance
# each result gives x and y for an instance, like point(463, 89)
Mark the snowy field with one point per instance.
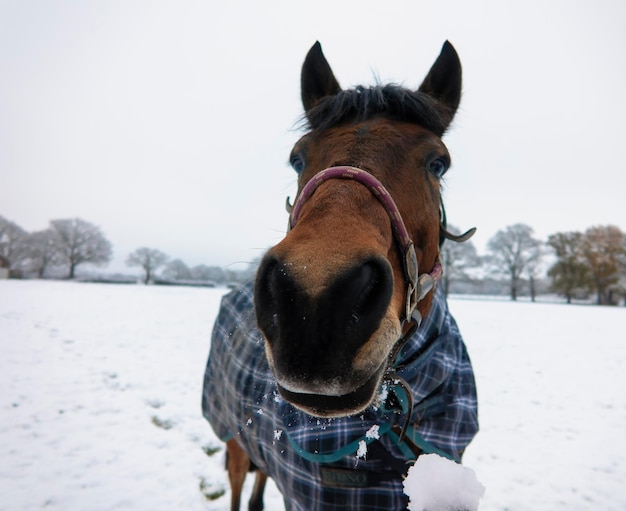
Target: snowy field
point(100, 401)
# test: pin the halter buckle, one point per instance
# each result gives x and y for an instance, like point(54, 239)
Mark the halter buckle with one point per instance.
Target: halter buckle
point(424, 285)
point(418, 286)
point(411, 271)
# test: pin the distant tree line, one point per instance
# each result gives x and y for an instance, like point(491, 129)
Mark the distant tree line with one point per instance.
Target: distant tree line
point(68, 244)
point(578, 265)
point(151, 260)
point(589, 265)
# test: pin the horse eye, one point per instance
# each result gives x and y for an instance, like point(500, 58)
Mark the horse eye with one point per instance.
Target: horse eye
point(438, 167)
point(297, 163)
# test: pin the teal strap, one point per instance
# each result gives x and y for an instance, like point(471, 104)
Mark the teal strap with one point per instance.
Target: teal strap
point(346, 450)
point(383, 429)
point(425, 446)
point(411, 432)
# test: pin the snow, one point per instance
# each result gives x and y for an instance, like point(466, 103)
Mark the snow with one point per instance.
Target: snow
point(438, 484)
point(551, 387)
point(373, 432)
point(361, 451)
point(100, 401)
point(370, 434)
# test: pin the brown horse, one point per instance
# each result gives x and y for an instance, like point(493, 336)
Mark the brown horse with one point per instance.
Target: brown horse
point(339, 299)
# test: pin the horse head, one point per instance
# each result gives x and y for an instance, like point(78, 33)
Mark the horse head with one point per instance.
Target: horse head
point(354, 273)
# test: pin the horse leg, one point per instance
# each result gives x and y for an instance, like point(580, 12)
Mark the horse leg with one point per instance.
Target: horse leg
point(237, 464)
point(256, 500)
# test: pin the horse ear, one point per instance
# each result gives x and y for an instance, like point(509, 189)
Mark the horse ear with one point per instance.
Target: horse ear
point(317, 79)
point(443, 81)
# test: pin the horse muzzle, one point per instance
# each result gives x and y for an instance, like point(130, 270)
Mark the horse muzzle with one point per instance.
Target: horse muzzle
point(328, 350)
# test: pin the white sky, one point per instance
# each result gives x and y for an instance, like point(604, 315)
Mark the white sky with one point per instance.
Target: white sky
point(169, 124)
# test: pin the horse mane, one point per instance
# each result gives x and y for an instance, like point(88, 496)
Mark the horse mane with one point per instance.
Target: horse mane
point(389, 101)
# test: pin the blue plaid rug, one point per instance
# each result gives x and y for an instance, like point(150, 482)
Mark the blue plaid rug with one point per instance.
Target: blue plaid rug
point(346, 463)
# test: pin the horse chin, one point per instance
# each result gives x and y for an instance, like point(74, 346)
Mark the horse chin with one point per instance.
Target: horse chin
point(327, 406)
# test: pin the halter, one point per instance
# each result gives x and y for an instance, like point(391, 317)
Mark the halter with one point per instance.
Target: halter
point(418, 286)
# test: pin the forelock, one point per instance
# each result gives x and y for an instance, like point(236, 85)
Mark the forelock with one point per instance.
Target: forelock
point(363, 103)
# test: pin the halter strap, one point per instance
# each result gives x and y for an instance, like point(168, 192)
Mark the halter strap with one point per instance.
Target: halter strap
point(418, 286)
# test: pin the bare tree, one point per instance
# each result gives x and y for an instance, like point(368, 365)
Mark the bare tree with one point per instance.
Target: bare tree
point(533, 267)
point(457, 258)
point(40, 250)
point(604, 250)
point(215, 274)
point(511, 251)
point(80, 242)
point(177, 270)
point(150, 259)
point(570, 273)
point(204, 272)
point(220, 275)
point(11, 236)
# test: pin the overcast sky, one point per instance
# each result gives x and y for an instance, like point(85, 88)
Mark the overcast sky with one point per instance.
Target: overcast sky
point(169, 124)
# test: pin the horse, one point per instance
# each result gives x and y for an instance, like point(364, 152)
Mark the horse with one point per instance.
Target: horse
point(340, 363)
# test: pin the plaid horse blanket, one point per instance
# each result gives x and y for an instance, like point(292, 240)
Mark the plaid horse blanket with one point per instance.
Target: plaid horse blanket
point(345, 463)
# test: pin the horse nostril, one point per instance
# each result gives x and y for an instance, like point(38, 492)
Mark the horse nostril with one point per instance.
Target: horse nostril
point(276, 297)
point(344, 316)
point(361, 296)
point(264, 297)
point(354, 318)
point(369, 281)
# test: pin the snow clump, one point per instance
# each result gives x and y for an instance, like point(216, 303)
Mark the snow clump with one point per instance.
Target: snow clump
point(435, 483)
